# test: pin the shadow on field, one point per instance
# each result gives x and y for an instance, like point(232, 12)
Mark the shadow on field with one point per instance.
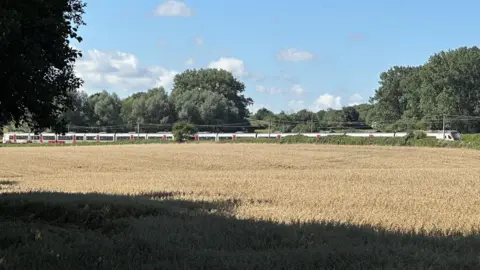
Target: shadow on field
point(157, 231)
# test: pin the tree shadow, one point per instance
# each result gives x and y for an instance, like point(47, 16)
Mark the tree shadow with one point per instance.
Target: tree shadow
point(44, 230)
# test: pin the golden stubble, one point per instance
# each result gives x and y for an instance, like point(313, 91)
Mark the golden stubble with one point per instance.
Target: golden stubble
point(396, 188)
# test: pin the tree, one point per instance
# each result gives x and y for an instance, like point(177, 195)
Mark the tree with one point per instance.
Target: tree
point(36, 61)
point(263, 114)
point(350, 114)
point(158, 108)
point(451, 84)
point(127, 115)
point(413, 97)
point(391, 98)
point(78, 114)
point(104, 109)
point(183, 130)
point(209, 96)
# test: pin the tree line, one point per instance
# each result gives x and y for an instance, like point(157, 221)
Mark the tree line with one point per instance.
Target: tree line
point(40, 88)
point(443, 91)
point(408, 98)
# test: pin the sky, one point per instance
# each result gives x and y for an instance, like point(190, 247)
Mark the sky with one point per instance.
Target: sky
point(291, 55)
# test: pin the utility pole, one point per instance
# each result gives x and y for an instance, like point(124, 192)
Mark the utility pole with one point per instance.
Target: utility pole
point(443, 124)
point(269, 125)
point(138, 128)
point(311, 123)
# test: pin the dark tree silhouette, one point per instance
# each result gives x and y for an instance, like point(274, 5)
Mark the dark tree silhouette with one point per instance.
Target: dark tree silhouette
point(36, 60)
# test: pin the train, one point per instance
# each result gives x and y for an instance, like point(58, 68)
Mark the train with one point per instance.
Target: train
point(68, 138)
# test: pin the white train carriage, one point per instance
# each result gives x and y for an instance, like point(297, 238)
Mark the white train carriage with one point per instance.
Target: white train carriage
point(48, 138)
point(240, 136)
point(225, 136)
point(16, 138)
point(269, 135)
point(106, 137)
point(67, 138)
point(202, 136)
point(450, 135)
point(369, 134)
point(91, 137)
point(125, 136)
point(159, 136)
point(318, 135)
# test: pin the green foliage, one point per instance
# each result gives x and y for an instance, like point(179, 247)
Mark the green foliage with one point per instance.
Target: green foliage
point(296, 139)
point(263, 114)
point(416, 135)
point(37, 62)
point(419, 134)
point(446, 84)
point(209, 96)
point(475, 138)
point(409, 98)
point(183, 131)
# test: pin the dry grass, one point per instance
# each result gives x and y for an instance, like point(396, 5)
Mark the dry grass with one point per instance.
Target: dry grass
point(405, 191)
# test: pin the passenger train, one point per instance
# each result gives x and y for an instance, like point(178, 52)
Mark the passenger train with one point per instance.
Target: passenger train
point(12, 137)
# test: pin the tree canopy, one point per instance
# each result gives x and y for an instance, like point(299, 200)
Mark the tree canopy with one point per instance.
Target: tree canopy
point(447, 84)
point(209, 96)
point(408, 97)
point(36, 63)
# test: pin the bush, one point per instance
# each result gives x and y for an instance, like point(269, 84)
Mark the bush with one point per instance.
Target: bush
point(471, 137)
point(297, 139)
point(183, 131)
point(418, 134)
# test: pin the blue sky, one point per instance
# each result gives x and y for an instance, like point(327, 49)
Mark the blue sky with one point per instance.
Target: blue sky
point(290, 54)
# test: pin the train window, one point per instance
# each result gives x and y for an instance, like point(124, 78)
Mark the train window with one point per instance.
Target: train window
point(91, 138)
point(65, 138)
point(49, 138)
point(79, 138)
point(106, 138)
point(123, 138)
point(10, 137)
point(35, 137)
point(22, 137)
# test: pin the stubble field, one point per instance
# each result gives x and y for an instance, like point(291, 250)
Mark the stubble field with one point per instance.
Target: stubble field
point(239, 206)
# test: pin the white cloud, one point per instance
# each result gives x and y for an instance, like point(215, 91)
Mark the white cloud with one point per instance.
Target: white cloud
point(326, 101)
point(173, 8)
point(270, 90)
point(233, 65)
point(190, 61)
point(260, 88)
point(293, 54)
point(296, 105)
point(355, 99)
point(199, 40)
point(120, 71)
point(297, 89)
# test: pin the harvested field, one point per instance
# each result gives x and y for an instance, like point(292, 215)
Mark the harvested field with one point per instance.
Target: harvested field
point(242, 205)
